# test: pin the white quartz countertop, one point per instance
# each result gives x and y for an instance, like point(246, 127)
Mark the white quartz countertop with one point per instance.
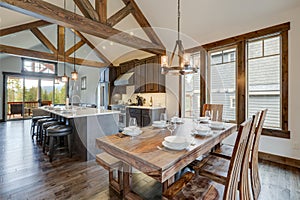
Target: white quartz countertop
point(146, 107)
point(77, 111)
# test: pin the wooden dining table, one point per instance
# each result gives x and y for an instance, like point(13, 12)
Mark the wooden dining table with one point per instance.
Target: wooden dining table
point(146, 153)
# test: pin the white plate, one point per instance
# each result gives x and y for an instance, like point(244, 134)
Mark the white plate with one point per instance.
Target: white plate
point(203, 134)
point(159, 125)
point(178, 148)
point(130, 133)
point(176, 139)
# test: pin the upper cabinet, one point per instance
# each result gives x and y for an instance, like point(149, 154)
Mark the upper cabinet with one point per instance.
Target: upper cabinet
point(148, 77)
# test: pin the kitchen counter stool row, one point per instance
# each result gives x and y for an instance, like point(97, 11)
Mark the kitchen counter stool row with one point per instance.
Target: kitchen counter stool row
point(50, 132)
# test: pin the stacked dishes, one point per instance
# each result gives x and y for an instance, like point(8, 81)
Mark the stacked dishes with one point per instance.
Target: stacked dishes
point(132, 131)
point(159, 124)
point(217, 125)
point(203, 119)
point(176, 142)
point(203, 130)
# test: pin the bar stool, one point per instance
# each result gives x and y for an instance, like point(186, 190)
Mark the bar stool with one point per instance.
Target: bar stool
point(34, 123)
point(44, 128)
point(58, 131)
point(39, 127)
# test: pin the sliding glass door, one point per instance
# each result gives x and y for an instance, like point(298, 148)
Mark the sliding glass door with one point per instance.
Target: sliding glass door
point(15, 94)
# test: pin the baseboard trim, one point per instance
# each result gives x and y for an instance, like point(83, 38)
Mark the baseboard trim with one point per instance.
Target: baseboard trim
point(279, 159)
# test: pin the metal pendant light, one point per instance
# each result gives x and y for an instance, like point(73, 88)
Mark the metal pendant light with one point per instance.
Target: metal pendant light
point(183, 66)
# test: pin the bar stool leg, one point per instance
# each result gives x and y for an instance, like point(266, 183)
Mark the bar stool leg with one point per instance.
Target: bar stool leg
point(70, 145)
point(51, 148)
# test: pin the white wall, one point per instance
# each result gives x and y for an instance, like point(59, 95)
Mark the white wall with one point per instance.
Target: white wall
point(278, 146)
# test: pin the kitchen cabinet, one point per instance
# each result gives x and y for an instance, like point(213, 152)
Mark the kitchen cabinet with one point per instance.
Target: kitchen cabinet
point(109, 74)
point(144, 115)
point(148, 77)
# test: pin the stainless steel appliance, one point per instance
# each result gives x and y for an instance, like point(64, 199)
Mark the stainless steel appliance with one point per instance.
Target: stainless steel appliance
point(103, 95)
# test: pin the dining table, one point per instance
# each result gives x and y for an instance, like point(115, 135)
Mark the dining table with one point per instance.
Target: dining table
point(147, 154)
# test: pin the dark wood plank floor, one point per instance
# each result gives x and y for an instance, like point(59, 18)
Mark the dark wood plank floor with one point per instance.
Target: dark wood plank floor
point(26, 173)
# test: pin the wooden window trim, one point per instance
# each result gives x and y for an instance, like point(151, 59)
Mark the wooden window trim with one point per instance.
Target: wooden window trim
point(240, 41)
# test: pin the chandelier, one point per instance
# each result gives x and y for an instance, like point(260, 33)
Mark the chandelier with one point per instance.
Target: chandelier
point(183, 66)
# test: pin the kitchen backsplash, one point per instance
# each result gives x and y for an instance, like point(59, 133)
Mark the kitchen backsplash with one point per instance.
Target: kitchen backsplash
point(158, 99)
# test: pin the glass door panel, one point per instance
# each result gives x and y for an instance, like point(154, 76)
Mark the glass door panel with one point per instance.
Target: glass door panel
point(60, 93)
point(46, 91)
point(15, 106)
point(30, 95)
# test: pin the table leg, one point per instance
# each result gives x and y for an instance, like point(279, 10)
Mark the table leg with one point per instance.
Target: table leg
point(127, 193)
point(167, 183)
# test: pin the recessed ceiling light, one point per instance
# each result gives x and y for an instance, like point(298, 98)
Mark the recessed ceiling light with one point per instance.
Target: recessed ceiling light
point(111, 43)
point(131, 33)
point(103, 47)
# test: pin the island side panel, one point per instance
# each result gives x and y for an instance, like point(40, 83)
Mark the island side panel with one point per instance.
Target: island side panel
point(80, 136)
point(99, 126)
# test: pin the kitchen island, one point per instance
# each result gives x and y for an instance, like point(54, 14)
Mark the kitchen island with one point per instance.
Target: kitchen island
point(88, 124)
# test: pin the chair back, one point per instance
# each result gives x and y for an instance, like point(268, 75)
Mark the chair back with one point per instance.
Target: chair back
point(236, 162)
point(244, 180)
point(256, 187)
point(214, 109)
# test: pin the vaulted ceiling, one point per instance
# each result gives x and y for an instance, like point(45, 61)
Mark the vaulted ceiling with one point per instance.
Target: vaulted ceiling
point(202, 21)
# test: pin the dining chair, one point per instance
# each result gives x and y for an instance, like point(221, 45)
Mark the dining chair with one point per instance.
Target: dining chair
point(214, 109)
point(193, 185)
point(225, 151)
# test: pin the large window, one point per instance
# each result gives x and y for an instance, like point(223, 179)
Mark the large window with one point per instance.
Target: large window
point(247, 73)
point(263, 65)
point(222, 81)
point(192, 89)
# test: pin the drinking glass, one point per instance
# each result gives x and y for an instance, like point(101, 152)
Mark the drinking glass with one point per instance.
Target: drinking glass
point(171, 127)
point(163, 117)
point(207, 114)
point(132, 122)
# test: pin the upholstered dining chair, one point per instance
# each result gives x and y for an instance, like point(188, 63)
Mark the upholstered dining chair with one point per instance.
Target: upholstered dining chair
point(191, 186)
point(225, 151)
point(214, 109)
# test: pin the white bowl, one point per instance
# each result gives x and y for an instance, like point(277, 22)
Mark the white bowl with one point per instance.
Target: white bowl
point(217, 125)
point(176, 139)
point(203, 119)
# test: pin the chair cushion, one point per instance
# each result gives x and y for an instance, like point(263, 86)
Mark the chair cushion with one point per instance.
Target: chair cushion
point(59, 129)
point(41, 121)
point(36, 118)
point(190, 186)
point(51, 123)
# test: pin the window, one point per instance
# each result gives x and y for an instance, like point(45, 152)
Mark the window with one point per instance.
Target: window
point(250, 77)
point(36, 66)
point(263, 66)
point(192, 89)
point(222, 80)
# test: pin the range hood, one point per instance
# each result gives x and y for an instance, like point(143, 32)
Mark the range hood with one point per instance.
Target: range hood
point(124, 79)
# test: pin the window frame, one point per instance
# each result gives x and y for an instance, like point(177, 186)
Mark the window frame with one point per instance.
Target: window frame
point(39, 73)
point(241, 87)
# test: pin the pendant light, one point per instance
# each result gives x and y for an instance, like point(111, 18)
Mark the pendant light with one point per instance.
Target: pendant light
point(183, 66)
point(74, 74)
point(64, 78)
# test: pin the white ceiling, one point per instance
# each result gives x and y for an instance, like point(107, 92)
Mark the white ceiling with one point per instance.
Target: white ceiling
point(201, 20)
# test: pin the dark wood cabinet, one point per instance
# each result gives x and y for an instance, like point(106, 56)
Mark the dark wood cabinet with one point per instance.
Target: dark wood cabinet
point(148, 77)
point(144, 116)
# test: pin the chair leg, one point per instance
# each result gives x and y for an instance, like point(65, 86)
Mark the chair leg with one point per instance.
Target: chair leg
point(70, 145)
point(44, 143)
point(51, 148)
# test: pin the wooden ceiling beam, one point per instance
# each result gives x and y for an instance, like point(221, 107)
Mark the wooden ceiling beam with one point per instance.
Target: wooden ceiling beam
point(44, 40)
point(87, 9)
point(48, 56)
point(23, 27)
point(101, 9)
point(61, 41)
point(54, 14)
point(98, 53)
point(143, 22)
point(118, 16)
point(74, 48)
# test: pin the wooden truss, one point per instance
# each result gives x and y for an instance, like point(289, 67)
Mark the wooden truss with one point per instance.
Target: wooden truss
point(94, 22)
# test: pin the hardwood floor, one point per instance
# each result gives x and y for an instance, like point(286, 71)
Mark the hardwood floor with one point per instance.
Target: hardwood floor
point(26, 173)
